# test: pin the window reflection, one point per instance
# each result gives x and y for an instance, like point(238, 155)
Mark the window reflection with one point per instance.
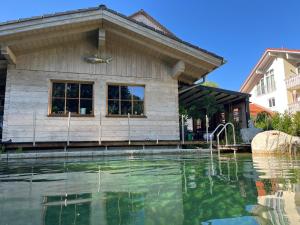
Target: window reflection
point(125, 99)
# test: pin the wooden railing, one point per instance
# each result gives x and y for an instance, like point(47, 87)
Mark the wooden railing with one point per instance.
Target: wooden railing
point(294, 107)
point(293, 82)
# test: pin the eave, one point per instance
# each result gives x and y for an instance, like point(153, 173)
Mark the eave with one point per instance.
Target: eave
point(262, 65)
point(199, 60)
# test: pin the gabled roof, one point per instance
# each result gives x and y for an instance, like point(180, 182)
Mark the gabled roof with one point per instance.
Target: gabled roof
point(255, 109)
point(139, 15)
point(198, 62)
point(267, 57)
point(101, 7)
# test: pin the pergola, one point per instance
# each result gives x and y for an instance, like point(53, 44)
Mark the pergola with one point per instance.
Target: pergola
point(231, 100)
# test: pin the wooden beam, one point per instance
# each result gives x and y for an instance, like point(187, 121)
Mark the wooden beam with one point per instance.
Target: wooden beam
point(272, 54)
point(291, 57)
point(8, 55)
point(178, 69)
point(50, 35)
point(101, 40)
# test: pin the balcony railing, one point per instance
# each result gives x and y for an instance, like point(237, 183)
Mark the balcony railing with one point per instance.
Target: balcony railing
point(293, 82)
point(294, 107)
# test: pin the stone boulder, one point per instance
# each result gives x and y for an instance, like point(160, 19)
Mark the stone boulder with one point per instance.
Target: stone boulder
point(274, 141)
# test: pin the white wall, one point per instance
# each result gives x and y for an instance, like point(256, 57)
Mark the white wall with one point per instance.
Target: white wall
point(28, 86)
point(280, 94)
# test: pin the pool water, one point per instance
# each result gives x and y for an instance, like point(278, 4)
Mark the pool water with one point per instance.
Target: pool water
point(177, 189)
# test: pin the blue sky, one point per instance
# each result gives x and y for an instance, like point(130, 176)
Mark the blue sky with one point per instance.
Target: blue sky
point(238, 30)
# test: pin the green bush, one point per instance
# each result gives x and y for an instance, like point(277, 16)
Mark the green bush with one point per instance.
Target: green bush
point(264, 121)
point(19, 150)
point(285, 122)
point(2, 149)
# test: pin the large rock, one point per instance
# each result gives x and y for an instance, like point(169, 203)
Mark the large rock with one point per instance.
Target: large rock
point(274, 142)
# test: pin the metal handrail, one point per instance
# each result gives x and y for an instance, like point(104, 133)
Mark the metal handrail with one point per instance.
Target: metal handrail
point(211, 135)
point(218, 136)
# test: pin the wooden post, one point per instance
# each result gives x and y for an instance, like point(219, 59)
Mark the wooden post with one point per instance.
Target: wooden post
point(129, 138)
point(69, 121)
point(100, 129)
point(34, 127)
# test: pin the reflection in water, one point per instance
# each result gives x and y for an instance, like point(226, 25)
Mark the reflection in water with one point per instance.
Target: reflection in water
point(193, 189)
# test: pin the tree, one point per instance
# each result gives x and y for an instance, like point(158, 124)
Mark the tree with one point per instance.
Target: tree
point(210, 84)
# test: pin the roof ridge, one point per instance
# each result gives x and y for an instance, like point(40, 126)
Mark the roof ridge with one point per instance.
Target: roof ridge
point(147, 15)
point(103, 7)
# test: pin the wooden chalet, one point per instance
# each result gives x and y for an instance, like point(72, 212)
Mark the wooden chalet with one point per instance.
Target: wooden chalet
point(116, 76)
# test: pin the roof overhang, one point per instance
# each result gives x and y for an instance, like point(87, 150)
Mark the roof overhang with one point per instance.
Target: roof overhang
point(293, 56)
point(189, 95)
point(197, 62)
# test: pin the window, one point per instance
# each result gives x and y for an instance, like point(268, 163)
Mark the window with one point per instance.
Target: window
point(266, 84)
point(122, 99)
point(270, 81)
point(271, 102)
point(74, 97)
point(236, 115)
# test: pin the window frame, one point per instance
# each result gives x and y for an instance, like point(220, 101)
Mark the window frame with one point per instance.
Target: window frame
point(50, 98)
point(120, 100)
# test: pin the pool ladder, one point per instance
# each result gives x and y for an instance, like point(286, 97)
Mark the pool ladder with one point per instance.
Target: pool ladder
point(224, 128)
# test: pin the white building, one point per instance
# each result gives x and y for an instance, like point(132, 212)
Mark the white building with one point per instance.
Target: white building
point(274, 82)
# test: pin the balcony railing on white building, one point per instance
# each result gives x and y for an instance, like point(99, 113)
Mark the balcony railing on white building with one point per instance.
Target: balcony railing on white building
point(293, 82)
point(294, 107)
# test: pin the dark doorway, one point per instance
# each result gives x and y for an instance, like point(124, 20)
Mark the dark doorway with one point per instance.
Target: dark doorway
point(2, 98)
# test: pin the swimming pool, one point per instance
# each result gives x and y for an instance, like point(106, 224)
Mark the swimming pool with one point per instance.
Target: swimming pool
point(169, 189)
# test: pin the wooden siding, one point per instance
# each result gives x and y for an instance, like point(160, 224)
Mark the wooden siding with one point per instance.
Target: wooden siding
point(28, 85)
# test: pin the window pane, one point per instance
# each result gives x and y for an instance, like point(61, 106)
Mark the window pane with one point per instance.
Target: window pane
point(113, 107)
point(113, 92)
point(262, 86)
point(138, 108)
point(58, 90)
point(86, 91)
point(137, 92)
point(125, 93)
point(273, 83)
point(72, 105)
point(86, 106)
point(58, 106)
point(72, 90)
point(125, 107)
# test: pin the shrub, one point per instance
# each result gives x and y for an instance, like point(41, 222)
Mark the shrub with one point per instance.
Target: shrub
point(19, 150)
point(2, 149)
point(285, 122)
point(296, 124)
point(264, 121)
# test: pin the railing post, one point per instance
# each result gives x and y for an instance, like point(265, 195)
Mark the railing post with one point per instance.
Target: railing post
point(34, 127)
point(129, 135)
point(182, 129)
point(100, 129)
point(207, 126)
point(69, 121)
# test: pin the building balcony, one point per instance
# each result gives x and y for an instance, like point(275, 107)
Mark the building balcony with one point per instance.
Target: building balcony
point(294, 107)
point(293, 82)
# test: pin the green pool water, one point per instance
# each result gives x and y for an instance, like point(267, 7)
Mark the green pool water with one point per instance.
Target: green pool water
point(177, 189)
